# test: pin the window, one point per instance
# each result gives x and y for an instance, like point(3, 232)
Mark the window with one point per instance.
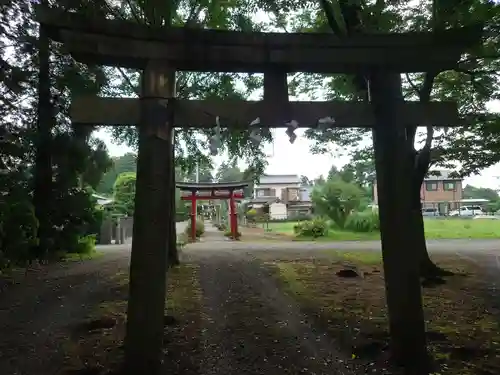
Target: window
point(431, 186)
point(266, 192)
point(449, 186)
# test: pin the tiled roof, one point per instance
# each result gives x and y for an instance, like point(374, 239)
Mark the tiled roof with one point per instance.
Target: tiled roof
point(279, 179)
point(211, 186)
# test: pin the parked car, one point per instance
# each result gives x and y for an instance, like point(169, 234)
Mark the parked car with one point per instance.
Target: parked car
point(468, 211)
point(430, 212)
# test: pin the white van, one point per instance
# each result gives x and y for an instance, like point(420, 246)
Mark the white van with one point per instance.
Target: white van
point(468, 211)
point(432, 211)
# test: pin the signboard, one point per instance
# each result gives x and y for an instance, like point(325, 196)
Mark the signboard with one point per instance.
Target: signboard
point(213, 194)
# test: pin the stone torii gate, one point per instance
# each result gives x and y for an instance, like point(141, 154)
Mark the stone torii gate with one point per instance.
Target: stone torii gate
point(160, 51)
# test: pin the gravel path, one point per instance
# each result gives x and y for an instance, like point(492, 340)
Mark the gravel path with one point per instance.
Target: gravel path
point(435, 246)
point(251, 327)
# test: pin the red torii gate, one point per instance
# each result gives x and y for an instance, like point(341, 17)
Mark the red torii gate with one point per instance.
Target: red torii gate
point(210, 191)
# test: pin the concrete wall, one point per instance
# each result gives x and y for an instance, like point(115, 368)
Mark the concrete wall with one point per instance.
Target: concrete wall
point(118, 233)
point(278, 211)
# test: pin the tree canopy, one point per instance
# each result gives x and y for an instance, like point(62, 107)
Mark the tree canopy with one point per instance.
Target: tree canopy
point(124, 193)
point(121, 164)
point(472, 192)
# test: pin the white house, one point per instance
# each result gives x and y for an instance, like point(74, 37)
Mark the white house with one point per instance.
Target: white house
point(283, 194)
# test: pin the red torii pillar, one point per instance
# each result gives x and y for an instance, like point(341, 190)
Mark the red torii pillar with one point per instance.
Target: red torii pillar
point(193, 215)
point(214, 191)
point(233, 217)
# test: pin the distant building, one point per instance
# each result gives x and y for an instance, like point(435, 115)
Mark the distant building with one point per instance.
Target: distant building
point(438, 190)
point(284, 195)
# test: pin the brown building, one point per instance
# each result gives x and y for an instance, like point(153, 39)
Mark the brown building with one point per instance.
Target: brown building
point(438, 190)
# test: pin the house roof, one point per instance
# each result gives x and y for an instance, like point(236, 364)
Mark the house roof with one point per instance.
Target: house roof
point(279, 179)
point(439, 175)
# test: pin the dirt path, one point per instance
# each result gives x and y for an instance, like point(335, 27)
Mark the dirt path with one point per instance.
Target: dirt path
point(36, 315)
point(251, 327)
point(443, 246)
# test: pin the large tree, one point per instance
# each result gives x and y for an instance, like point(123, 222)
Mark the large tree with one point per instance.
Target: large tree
point(121, 164)
point(336, 199)
point(202, 172)
point(228, 172)
point(345, 18)
point(124, 193)
point(472, 85)
point(473, 192)
point(45, 157)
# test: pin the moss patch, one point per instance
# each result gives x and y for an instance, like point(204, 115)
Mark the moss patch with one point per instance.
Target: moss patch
point(462, 331)
point(95, 345)
point(72, 257)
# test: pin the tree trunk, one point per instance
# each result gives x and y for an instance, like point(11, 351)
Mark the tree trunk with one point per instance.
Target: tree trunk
point(42, 194)
point(427, 268)
point(425, 263)
point(394, 176)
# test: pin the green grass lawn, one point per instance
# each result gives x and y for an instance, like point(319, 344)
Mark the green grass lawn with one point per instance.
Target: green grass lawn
point(434, 229)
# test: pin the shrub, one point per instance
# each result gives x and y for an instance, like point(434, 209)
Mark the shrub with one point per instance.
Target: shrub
point(95, 225)
point(367, 221)
point(311, 228)
point(336, 199)
point(18, 230)
point(229, 234)
point(86, 245)
point(251, 215)
point(200, 228)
